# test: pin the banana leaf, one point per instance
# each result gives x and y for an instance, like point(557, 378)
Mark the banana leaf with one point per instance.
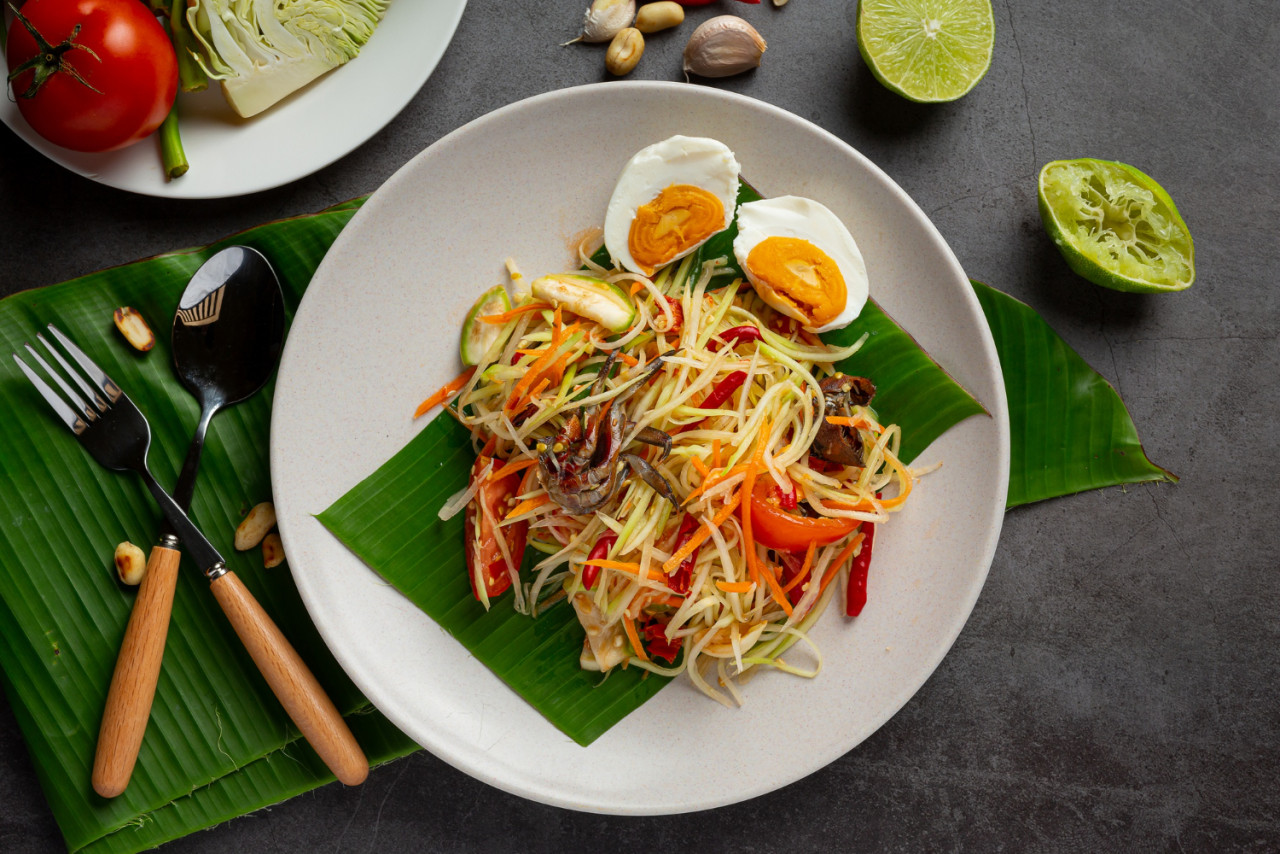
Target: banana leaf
point(1069, 429)
point(218, 744)
point(381, 521)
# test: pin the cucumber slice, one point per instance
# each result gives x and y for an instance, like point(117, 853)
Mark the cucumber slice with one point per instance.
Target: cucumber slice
point(594, 299)
point(477, 335)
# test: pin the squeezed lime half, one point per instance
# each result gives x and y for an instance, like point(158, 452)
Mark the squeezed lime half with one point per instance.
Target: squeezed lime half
point(1116, 226)
point(927, 50)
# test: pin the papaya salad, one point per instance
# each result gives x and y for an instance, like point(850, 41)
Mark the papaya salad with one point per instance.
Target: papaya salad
point(671, 439)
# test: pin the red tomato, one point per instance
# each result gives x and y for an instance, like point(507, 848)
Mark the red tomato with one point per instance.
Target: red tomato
point(497, 497)
point(789, 532)
point(127, 68)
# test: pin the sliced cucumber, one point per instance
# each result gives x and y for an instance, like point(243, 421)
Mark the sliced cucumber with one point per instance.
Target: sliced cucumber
point(477, 335)
point(594, 299)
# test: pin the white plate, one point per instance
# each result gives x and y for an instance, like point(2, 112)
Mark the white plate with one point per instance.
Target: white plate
point(378, 330)
point(310, 129)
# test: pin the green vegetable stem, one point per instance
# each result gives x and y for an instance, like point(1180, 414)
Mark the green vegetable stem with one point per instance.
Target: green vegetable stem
point(172, 155)
point(191, 77)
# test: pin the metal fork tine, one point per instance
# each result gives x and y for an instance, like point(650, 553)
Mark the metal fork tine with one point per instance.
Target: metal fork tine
point(68, 415)
point(99, 376)
point(76, 400)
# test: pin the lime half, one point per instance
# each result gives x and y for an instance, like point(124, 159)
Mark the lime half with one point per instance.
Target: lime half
point(1116, 226)
point(927, 50)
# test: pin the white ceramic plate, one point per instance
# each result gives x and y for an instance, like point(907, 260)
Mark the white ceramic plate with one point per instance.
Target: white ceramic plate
point(310, 129)
point(378, 330)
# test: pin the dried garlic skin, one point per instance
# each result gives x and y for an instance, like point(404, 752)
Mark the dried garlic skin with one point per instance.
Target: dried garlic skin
point(723, 46)
point(604, 19)
point(624, 52)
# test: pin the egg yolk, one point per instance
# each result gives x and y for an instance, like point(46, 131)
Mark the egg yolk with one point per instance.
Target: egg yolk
point(678, 218)
point(798, 279)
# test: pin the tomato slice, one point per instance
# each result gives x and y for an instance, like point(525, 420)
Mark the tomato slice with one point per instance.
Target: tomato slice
point(790, 532)
point(492, 502)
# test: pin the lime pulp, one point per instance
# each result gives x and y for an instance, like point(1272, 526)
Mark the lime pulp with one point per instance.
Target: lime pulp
point(927, 50)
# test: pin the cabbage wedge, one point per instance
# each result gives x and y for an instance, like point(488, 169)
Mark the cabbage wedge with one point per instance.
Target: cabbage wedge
point(264, 50)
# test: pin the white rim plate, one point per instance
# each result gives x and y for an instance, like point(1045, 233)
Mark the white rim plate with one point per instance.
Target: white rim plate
point(378, 330)
point(310, 129)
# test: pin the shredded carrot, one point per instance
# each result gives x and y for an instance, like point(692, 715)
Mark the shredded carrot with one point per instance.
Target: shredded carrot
point(906, 479)
point(446, 392)
point(775, 590)
point(804, 570)
point(748, 485)
point(624, 566)
point(499, 319)
point(487, 450)
point(700, 535)
point(714, 479)
point(511, 468)
point(631, 361)
point(629, 625)
point(527, 505)
point(701, 467)
point(844, 421)
point(540, 387)
point(735, 586)
point(848, 552)
point(535, 370)
point(715, 453)
point(635, 287)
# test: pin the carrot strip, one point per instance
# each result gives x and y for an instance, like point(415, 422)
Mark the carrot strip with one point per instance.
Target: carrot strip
point(631, 361)
point(511, 468)
point(624, 566)
point(531, 375)
point(845, 421)
point(540, 387)
point(715, 453)
point(714, 479)
point(630, 627)
point(701, 467)
point(748, 486)
point(848, 552)
point(527, 505)
point(499, 319)
point(735, 586)
point(446, 392)
point(775, 590)
point(804, 570)
point(635, 287)
point(700, 536)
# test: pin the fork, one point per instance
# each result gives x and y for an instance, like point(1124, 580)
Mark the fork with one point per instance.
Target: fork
point(116, 434)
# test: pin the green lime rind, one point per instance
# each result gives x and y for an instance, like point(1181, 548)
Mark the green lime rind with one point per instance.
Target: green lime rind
point(1116, 226)
point(927, 51)
point(477, 335)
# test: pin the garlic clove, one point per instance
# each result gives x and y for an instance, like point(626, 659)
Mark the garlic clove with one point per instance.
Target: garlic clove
point(723, 46)
point(604, 19)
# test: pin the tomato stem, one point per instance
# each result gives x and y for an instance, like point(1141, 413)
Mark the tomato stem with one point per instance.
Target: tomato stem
point(49, 61)
point(191, 77)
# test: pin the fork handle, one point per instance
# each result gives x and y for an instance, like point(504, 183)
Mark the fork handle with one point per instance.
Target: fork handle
point(133, 684)
point(292, 682)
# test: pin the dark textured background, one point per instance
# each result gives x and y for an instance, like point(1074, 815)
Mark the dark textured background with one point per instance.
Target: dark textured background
point(1117, 686)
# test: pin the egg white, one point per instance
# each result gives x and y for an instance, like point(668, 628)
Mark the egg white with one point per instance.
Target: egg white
point(705, 163)
point(795, 216)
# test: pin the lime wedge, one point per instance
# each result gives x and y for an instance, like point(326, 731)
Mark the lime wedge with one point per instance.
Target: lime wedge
point(1116, 226)
point(927, 50)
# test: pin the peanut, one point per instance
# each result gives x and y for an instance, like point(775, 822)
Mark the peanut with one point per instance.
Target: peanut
point(656, 17)
point(624, 51)
point(134, 329)
point(131, 564)
point(254, 526)
point(272, 550)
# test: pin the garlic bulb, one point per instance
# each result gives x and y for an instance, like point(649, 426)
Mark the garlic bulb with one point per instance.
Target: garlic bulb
point(723, 46)
point(604, 19)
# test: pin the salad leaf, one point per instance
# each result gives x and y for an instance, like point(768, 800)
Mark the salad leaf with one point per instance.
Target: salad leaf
point(262, 52)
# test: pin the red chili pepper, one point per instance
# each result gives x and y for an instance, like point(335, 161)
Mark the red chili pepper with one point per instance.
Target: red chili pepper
point(857, 595)
point(657, 645)
point(679, 580)
point(786, 500)
point(737, 335)
point(723, 390)
point(601, 551)
point(677, 316)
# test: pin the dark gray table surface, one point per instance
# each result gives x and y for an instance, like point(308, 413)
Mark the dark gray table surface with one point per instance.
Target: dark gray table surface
point(1118, 684)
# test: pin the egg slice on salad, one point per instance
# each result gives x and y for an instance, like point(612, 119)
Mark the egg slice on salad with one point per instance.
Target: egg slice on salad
point(802, 261)
point(670, 198)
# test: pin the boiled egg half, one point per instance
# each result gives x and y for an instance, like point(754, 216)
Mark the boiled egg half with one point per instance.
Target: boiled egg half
point(670, 199)
point(802, 261)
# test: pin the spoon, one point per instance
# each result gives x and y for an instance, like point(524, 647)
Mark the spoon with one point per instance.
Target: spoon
point(226, 339)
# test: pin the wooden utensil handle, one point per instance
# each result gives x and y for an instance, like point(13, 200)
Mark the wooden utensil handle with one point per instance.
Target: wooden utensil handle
point(133, 684)
point(293, 683)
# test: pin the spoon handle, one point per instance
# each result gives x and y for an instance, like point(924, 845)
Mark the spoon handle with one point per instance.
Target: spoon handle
point(133, 684)
point(291, 680)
